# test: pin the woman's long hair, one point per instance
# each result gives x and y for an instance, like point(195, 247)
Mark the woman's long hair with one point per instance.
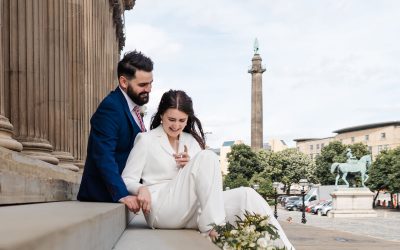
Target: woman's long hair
point(178, 99)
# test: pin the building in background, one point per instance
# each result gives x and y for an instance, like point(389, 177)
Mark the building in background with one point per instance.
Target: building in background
point(377, 136)
point(224, 150)
point(275, 145)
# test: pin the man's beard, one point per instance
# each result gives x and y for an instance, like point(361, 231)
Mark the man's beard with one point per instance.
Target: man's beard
point(139, 99)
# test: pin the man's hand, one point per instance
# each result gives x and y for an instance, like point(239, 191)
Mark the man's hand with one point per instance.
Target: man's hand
point(144, 198)
point(132, 203)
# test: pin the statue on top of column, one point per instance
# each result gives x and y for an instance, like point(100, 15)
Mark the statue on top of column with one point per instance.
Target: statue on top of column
point(256, 47)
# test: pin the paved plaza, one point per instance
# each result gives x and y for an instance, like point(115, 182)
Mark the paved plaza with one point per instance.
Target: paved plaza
point(321, 232)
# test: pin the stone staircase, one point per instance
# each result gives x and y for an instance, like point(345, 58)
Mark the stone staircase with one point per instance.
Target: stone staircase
point(87, 225)
point(51, 220)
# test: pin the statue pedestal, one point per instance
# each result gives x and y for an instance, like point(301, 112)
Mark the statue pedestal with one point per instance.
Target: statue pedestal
point(352, 202)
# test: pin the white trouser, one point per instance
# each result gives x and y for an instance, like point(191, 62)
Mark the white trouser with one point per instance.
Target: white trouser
point(242, 199)
point(193, 199)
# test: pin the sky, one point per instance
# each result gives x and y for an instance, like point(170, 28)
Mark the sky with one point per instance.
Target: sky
point(330, 64)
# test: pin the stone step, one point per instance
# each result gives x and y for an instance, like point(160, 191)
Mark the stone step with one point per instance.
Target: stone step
point(62, 225)
point(138, 236)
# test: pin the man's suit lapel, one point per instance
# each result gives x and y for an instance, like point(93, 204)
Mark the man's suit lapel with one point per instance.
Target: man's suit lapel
point(122, 99)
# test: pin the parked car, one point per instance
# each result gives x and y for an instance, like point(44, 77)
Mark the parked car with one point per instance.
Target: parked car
point(288, 199)
point(325, 209)
point(317, 207)
point(280, 197)
point(292, 203)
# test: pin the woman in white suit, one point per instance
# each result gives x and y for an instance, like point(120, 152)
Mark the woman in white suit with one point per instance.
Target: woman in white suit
point(181, 182)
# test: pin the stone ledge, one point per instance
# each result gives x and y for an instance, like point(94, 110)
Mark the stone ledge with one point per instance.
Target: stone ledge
point(62, 225)
point(138, 236)
point(26, 180)
point(350, 213)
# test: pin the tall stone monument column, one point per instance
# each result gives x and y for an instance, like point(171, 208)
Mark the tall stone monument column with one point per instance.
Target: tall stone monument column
point(256, 72)
point(6, 128)
point(28, 83)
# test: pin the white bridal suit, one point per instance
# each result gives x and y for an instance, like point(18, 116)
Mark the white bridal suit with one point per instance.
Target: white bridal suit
point(188, 197)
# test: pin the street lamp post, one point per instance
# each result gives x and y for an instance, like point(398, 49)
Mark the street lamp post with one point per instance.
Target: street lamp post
point(276, 185)
point(303, 183)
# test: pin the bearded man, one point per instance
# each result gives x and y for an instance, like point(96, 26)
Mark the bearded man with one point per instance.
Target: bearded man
point(114, 127)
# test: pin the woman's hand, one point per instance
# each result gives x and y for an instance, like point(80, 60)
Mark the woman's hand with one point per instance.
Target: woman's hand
point(182, 158)
point(144, 199)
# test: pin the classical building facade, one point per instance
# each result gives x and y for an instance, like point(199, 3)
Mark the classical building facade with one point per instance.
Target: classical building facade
point(58, 60)
point(377, 136)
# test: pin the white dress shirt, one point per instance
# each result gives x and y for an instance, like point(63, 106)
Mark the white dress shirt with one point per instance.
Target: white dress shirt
point(131, 106)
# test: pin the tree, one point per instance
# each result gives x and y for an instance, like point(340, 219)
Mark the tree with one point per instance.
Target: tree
point(289, 166)
point(235, 181)
point(336, 152)
point(385, 172)
point(394, 176)
point(379, 173)
point(242, 160)
point(264, 182)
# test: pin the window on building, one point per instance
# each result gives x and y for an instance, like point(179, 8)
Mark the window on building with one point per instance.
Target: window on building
point(386, 147)
point(322, 145)
point(311, 156)
point(317, 146)
point(379, 148)
point(311, 147)
point(383, 135)
point(352, 139)
point(370, 149)
point(366, 137)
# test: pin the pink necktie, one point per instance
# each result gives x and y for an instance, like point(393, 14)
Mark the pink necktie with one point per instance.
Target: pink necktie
point(137, 112)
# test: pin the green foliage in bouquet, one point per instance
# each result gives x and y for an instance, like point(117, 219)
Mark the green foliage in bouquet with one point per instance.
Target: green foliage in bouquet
point(252, 232)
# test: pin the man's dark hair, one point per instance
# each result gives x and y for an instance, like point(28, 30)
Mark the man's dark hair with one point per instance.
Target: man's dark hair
point(132, 61)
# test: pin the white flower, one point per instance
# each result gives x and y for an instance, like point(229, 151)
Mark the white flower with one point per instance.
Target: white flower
point(271, 248)
point(252, 228)
point(234, 231)
point(262, 242)
point(227, 247)
point(263, 223)
point(143, 110)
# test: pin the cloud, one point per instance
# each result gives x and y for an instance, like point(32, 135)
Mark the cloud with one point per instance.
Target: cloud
point(152, 41)
point(330, 64)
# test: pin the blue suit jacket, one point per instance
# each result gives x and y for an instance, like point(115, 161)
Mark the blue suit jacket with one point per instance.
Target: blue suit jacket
point(112, 134)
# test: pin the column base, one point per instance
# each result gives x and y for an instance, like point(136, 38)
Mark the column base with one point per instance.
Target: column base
point(66, 160)
point(39, 149)
point(6, 132)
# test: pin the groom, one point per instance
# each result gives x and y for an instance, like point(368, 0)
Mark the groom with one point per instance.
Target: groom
point(114, 127)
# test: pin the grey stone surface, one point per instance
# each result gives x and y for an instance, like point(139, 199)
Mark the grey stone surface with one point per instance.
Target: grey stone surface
point(61, 225)
point(314, 238)
point(26, 180)
point(385, 226)
point(138, 236)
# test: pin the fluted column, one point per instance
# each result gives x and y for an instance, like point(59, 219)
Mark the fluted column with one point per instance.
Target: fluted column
point(6, 128)
point(27, 92)
point(58, 95)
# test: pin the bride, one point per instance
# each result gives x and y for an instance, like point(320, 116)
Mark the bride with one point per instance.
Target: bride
point(181, 183)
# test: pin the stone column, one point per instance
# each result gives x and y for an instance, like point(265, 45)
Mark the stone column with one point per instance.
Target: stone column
point(59, 124)
point(75, 57)
point(256, 102)
point(27, 92)
point(6, 128)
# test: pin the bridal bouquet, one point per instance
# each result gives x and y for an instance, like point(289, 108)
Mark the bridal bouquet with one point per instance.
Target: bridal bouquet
point(251, 232)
